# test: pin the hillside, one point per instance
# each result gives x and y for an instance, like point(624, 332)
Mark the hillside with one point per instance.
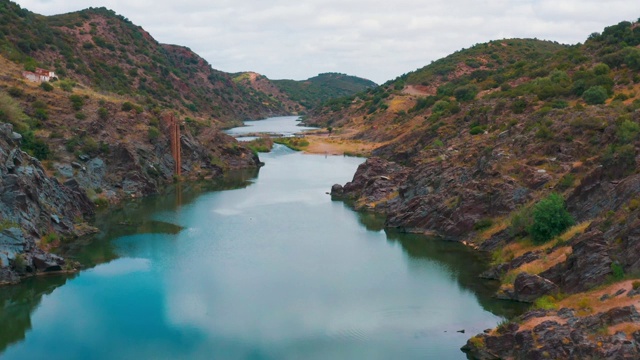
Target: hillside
point(262, 84)
point(318, 89)
point(105, 51)
point(98, 132)
point(527, 150)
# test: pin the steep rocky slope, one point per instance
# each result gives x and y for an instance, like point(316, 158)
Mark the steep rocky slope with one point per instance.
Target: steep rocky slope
point(99, 131)
point(36, 210)
point(474, 146)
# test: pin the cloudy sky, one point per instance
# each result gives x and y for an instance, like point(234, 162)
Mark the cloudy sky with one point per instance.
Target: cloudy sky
point(379, 40)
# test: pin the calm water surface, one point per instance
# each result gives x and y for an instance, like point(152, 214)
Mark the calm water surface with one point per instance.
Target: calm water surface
point(264, 267)
point(282, 125)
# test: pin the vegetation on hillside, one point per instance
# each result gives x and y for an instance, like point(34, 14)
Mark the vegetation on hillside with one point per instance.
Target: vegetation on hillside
point(321, 88)
point(103, 50)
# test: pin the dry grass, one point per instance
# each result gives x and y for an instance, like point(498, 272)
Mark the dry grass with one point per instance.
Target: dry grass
point(499, 224)
point(575, 230)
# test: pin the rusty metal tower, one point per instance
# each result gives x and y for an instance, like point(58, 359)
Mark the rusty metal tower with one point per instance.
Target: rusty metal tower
point(173, 127)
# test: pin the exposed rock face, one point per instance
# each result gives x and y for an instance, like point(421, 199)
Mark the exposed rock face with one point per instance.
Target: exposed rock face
point(374, 182)
point(567, 337)
point(588, 265)
point(496, 272)
point(528, 287)
point(435, 197)
point(32, 206)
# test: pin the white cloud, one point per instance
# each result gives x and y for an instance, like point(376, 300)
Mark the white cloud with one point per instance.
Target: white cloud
point(374, 39)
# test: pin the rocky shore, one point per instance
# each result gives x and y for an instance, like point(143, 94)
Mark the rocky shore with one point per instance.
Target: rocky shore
point(35, 210)
point(559, 277)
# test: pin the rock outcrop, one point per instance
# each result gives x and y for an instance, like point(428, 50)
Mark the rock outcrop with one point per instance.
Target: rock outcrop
point(529, 287)
point(560, 335)
point(34, 207)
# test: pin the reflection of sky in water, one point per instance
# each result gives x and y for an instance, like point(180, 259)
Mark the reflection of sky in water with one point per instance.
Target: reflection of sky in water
point(274, 270)
point(286, 125)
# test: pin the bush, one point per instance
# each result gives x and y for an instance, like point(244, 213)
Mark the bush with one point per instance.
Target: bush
point(103, 113)
point(566, 181)
point(476, 130)
point(482, 224)
point(41, 114)
point(76, 102)
point(518, 106)
point(34, 146)
point(466, 93)
point(154, 133)
point(618, 271)
point(15, 92)
point(46, 86)
point(627, 131)
point(595, 95)
point(550, 218)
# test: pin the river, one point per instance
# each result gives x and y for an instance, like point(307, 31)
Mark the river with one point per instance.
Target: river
point(261, 265)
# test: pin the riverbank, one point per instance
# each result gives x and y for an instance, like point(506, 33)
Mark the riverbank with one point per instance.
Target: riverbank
point(327, 143)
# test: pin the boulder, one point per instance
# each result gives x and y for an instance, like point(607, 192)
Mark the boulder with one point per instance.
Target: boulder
point(528, 287)
point(337, 190)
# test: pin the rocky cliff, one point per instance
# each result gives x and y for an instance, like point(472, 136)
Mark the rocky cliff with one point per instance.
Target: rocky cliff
point(473, 146)
point(35, 211)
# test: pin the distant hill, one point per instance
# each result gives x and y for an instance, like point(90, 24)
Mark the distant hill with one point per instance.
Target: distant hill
point(262, 85)
point(318, 89)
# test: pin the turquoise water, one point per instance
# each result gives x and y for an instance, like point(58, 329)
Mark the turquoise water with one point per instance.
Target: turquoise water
point(258, 266)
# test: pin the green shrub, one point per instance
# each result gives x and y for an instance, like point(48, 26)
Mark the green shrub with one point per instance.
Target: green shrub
point(482, 224)
point(15, 92)
point(518, 106)
point(34, 146)
point(41, 114)
point(566, 181)
point(103, 113)
point(153, 133)
point(627, 131)
point(66, 85)
point(476, 130)
point(466, 93)
point(550, 218)
point(595, 95)
point(617, 271)
point(46, 86)
point(77, 102)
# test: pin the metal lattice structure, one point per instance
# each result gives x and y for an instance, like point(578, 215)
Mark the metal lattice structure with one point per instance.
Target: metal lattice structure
point(173, 128)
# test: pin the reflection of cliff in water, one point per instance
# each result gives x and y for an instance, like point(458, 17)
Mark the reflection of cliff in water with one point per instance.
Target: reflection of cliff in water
point(461, 263)
point(133, 217)
point(17, 302)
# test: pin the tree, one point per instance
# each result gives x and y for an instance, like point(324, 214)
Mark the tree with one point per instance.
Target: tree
point(465, 93)
point(550, 218)
point(595, 95)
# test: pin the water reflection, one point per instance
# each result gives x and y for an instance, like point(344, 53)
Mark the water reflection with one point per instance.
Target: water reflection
point(272, 270)
point(18, 302)
point(461, 263)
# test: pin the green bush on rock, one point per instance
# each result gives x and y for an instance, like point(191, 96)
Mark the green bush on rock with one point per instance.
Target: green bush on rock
point(550, 218)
